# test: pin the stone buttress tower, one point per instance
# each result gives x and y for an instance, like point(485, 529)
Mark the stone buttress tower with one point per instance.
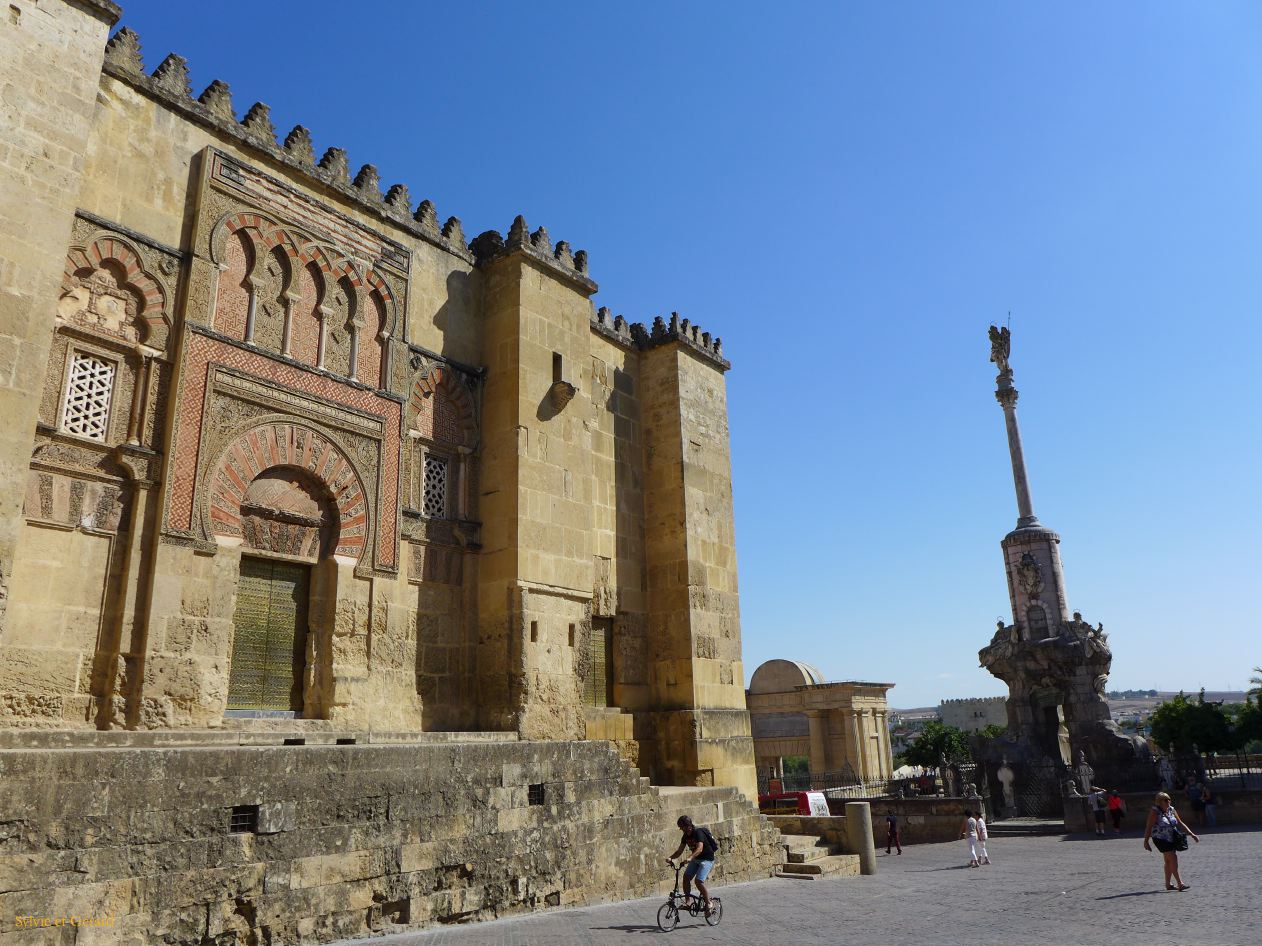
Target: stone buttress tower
point(50, 62)
point(565, 551)
point(1055, 664)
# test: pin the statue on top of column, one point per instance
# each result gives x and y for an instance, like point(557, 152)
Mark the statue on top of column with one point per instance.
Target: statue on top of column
point(1000, 347)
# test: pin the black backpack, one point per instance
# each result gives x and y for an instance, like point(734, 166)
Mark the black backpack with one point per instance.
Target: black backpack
point(709, 846)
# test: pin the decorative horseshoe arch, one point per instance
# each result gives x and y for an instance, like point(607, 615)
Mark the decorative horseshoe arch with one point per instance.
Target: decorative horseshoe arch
point(441, 380)
point(281, 444)
point(151, 302)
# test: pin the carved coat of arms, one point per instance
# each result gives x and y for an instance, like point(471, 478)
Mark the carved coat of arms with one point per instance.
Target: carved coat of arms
point(1030, 576)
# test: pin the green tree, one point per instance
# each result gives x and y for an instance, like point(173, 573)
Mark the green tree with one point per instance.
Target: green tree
point(1256, 690)
point(1183, 723)
point(796, 765)
point(1248, 726)
point(993, 731)
point(934, 741)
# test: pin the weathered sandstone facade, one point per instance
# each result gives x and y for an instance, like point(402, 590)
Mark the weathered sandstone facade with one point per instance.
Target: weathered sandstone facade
point(230, 844)
point(279, 444)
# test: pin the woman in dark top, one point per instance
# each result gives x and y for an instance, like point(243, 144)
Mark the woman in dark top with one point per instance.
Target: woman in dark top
point(1166, 830)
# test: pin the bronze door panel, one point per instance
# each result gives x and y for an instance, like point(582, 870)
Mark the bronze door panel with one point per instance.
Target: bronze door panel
point(269, 639)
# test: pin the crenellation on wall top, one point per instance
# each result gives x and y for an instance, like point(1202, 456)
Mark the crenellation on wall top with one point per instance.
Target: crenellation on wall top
point(973, 701)
point(217, 98)
point(491, 245)
point(172, 75)
point(637, 335)
point(169, 84)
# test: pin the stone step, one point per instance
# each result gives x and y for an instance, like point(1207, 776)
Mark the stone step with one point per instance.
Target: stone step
point(834, 865)
point(816, 853)
point(1026, 827)
point(799, 840)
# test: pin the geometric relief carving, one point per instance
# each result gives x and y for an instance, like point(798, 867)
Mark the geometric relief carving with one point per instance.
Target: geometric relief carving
point(270, 288)
point(283, 475)
point(339, 327)
point(89, 387)
point(75, 503)
point(288, 511)
point(304, 336)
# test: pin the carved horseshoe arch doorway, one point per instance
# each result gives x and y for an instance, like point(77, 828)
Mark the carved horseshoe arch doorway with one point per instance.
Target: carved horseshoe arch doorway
point(290, 500)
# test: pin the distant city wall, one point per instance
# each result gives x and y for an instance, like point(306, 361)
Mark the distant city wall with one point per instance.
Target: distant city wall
point(974, 715)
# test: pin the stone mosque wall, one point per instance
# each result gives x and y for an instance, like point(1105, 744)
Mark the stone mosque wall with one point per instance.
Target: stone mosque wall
point(352, 572)
point(287, 447)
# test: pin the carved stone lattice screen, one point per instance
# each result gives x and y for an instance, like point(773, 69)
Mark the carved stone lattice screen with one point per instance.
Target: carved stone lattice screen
point(87, 407)
point(434, 499)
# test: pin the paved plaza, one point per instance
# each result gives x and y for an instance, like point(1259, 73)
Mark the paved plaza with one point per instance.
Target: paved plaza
point(1078, 892)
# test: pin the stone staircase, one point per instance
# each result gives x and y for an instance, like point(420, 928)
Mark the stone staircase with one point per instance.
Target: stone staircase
point(809, 857)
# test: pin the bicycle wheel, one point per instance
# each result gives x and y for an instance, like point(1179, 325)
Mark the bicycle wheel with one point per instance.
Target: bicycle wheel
point(667, 917)
point(716, 911)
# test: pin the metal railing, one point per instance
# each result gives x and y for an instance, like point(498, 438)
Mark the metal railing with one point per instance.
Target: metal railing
point(843, 784)
point(847, 784)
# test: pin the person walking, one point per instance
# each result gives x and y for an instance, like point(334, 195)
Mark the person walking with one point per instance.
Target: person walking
point(968, 829)
point(1117, 810)
point(1166, 830)
point(982, 835)
point(1193, 792)
point(1099, 806)
point(891, 831)
point(1210, 804)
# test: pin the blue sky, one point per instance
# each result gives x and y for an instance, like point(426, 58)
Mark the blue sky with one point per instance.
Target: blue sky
point(849, 194)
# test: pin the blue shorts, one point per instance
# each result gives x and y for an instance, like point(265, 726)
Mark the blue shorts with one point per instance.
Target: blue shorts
point(698, 870)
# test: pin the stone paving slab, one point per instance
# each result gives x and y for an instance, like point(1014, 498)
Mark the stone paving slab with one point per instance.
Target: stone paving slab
point(1040, 891)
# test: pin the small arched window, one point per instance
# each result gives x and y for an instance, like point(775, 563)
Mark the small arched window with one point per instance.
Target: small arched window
point(443, 435)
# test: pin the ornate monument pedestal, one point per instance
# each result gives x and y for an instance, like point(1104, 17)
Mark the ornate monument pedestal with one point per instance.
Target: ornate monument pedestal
point(1056, 665)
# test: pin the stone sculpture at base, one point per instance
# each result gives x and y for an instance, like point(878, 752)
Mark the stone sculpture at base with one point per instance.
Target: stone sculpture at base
point(1006, 779)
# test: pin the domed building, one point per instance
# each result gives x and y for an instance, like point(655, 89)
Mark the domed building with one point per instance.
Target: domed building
point(839, 728)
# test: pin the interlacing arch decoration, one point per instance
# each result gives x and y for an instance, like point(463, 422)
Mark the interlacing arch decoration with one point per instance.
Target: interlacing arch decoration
point(294, 446)
point(441, 408)
point(109, 269)
point(241, 244)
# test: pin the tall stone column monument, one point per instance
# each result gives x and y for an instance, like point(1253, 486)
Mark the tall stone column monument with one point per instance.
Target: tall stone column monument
point(1056, 664)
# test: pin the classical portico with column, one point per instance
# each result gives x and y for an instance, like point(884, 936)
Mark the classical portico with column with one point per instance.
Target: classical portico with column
point(838, 727)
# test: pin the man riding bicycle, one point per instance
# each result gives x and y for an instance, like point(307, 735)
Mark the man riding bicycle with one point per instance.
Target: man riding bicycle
point(701, 847)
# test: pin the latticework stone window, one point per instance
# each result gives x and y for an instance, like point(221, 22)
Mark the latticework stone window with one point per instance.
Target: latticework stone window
point(86, 411)
point(434, 493)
